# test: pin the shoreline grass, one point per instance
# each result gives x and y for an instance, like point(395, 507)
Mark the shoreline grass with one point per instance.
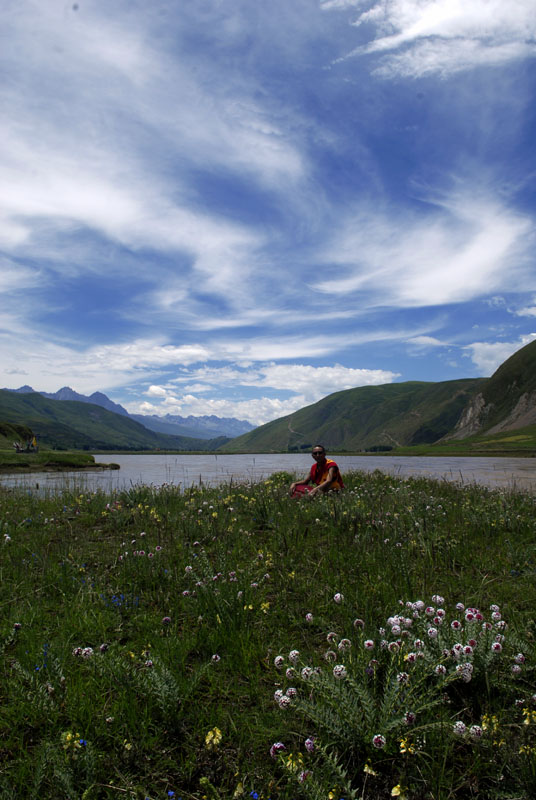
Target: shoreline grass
point(149, 636)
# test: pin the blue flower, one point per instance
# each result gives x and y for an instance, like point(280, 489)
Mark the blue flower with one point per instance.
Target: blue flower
point(171, 794)
point(254, 795)
point(83, 742)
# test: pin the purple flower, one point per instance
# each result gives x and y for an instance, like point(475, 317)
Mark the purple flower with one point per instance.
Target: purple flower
point(276, 748)
point(166, 620)
point(338, 598)
point(279, 662)
point(459, 728)
point(310, 744)
point(379, 741)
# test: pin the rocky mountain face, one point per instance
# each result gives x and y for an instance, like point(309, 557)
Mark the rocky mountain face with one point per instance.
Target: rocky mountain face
point(507, 401)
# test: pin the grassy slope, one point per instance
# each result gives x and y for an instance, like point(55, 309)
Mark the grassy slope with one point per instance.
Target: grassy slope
point(73, 425)
point(393, 414)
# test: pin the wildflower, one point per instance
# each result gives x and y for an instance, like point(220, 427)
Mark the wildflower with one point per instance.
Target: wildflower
point(17, 626)
point(516, 669)
point(77, 651)
point(166, 620)
point(215, 658)
point(339, 671)
point(367, 769)
point(436, 598)
point(519, 658)
point(276, 748)
point(310, 744)
point(127, 745)
point(149, 663)
point(455, 625)
point(393, 647)
point(406, 747)
point(338, 598)
point(279, 662)
point(291, 692)
point(459, 728)
point(402, 677)
point(330, 655)
point(306, 673)
point(397, 791)
point(284, 702)
point(294, 656)
point(410, 717)
point(496, 647)
point(309, 617)
point(332, 637)
point(358, 623)
point(475, 732)
point(344, 644)
point(379, 741)
point(87, 652)
point(290, 673)
point(278, 694)
point(213, 738)
point(432, 633)
point(368, 644)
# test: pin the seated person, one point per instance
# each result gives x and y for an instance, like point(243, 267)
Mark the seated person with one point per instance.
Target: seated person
point(324, 475)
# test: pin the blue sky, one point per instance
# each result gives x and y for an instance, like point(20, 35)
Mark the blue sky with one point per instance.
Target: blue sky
point(236, 208)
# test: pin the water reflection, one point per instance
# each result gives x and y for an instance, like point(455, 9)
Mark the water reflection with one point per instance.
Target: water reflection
point(212, 470)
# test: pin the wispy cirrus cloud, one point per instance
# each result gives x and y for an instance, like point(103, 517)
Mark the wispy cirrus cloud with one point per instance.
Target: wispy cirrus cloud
point(444, 36)
point(458, 248)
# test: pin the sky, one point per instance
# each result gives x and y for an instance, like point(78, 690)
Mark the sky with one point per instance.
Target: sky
point(237, 208)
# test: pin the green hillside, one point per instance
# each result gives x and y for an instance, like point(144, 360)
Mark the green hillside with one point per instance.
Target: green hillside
point(71, 425)
point(367, 418)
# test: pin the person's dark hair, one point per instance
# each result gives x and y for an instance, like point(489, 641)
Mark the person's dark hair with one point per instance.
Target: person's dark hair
point(320, 447)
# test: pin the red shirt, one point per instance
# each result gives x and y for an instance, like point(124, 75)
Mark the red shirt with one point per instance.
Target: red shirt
point(319, 473)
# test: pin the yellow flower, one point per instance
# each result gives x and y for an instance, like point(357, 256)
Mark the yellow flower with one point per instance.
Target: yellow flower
point(398, 791)
point(406, 747)
point(213, 738)
point(367, 769)
point(265, 607)
point(294, 762)
point(127, 745)
point(292, 574)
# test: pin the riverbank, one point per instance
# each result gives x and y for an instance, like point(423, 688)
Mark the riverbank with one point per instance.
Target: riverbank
point(232, 642)
point(48, 461)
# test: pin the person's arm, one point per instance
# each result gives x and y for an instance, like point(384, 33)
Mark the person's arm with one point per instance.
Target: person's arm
point(325, 485)
point(302, 482)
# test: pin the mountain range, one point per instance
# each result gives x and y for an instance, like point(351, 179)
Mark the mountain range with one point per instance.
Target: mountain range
point(367, 418)
point(202, 427)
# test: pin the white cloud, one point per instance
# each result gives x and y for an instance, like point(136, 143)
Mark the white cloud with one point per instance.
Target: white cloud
point(466, 246)
point(257, 410)
point(488, 356)
point(306, 383)
point(426, 341)
point(445, 36)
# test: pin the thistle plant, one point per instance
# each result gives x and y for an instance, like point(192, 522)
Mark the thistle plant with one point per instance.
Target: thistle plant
point(422, 683)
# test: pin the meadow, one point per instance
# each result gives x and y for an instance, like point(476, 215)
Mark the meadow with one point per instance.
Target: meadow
point(235, 643)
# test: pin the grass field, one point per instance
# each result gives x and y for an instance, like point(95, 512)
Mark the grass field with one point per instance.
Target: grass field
point(232, 642)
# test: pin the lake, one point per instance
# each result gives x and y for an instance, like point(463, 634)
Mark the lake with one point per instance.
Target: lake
point(212, 470)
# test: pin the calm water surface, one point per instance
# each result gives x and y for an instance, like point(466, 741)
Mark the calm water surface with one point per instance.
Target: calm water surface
point(212, 470)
